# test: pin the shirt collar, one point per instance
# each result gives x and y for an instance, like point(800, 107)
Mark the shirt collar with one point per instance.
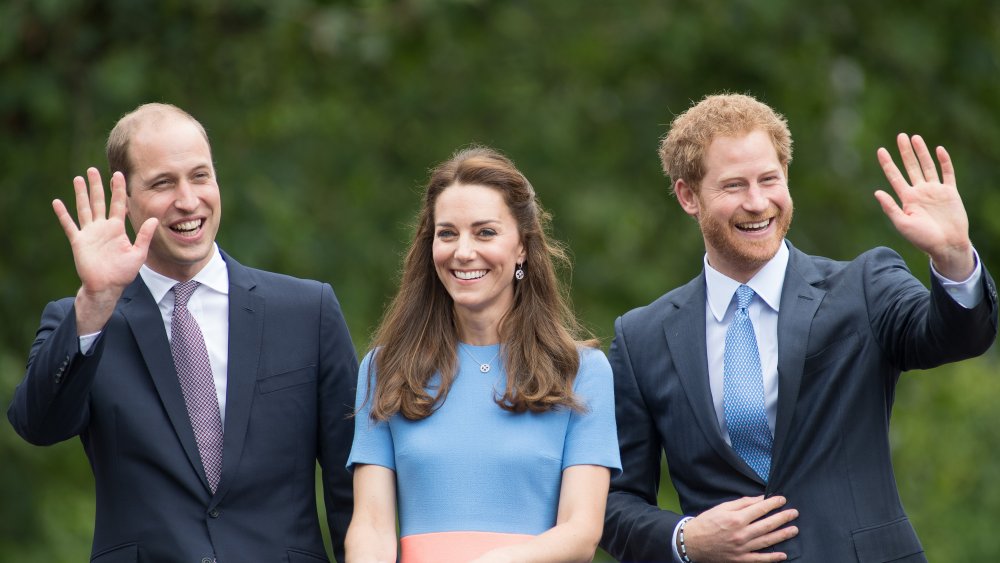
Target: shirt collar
point(767, 283)
point(214, 276)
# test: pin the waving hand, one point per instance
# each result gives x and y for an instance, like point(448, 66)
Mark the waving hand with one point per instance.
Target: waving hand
point(106, 260)
point(930, 213)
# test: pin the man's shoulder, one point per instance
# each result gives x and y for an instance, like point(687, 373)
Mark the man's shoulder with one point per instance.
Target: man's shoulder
point(267, 277)
point(682, 295)
point(825, 267)
point(240, 274)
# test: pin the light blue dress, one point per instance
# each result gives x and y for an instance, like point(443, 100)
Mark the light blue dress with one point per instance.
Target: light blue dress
point(474, 467)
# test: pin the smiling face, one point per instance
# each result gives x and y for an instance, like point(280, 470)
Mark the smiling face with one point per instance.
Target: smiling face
point(476, 249)
point(173, 180)
point(742, 205)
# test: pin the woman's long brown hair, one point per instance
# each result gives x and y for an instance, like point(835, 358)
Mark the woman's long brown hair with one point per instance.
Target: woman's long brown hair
point(418, 336)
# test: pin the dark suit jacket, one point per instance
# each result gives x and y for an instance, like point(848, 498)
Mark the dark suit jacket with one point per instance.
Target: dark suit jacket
point(845, 332)
point(292, 371)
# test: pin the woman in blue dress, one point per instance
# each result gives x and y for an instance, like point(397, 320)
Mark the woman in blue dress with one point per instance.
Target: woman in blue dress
point(483, 421)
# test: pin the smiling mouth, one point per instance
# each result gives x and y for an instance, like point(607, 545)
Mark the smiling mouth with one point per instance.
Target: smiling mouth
point(469, 275)
point(755, 226)
point(188, 227)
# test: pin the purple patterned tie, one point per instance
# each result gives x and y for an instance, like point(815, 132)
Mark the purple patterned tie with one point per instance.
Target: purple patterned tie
point(194, 371)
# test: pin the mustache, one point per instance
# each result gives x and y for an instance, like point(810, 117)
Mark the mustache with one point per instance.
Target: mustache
point(771, 213)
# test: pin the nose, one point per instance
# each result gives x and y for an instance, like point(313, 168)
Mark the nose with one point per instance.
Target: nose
point(756, 201)
point(465, 249)
point(185, 197)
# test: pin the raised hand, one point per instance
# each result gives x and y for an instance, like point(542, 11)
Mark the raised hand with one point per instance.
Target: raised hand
point(930, 213)
point(736, 530)
point(106, 260)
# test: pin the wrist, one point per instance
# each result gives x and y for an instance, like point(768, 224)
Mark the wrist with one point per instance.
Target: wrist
point(681, 544)
point(93, 309)
point(956, 263)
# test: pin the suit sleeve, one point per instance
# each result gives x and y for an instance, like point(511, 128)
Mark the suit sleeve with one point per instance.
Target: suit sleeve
point(635, 528)
point(338, 373)
point(917, 330)
point(51, 404)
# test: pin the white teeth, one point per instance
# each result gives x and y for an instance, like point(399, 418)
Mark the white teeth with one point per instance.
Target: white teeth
point(754, 226)
point(187, 226)
point(472, 275)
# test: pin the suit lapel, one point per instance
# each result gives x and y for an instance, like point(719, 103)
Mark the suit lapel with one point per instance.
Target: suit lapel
point(684, 328)
point(799, 301)
point(246, 327)
point(144, 319)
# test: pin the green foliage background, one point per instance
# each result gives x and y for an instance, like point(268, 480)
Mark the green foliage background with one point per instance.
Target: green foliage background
point(327, 115)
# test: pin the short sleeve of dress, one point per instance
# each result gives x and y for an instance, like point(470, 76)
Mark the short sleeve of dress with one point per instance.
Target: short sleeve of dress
point(372, 439)
point(592, 437)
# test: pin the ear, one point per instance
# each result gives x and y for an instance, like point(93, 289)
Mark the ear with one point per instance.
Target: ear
point(521, 254)
point(687, 197)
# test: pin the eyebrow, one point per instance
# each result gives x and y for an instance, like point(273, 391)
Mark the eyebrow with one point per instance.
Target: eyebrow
point(739, 177)
point(474, 224)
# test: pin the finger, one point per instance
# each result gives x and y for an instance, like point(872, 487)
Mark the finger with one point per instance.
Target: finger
point(764, 557)
point(909, 158)
point(926, 161)
point(773, 538)
point(891, 171)
point(761, 508)
point(145, 235)
point(893, 211)
point(118, 196)
point(947, 167)
point(96, 193)
point(65, 219)
point(767, 525)
point(741, 503)
point(82, 201)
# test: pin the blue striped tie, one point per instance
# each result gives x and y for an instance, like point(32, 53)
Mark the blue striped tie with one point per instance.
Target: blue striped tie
point(743, 390)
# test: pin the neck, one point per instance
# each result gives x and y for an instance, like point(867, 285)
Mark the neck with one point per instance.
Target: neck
point(477, 329)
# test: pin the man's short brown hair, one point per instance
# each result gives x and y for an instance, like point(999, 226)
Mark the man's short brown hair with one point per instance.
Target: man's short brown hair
point(124, 130)
point(682, 150)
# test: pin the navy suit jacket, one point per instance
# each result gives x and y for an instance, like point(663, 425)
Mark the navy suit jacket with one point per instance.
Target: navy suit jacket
point(291, 376)
point(845, 332)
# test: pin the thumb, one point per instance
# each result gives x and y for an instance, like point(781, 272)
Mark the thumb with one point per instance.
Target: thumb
point(145, 234)
point(889, 206)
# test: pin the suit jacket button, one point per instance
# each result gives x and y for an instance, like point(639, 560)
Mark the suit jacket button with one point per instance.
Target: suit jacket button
point(214, 513)
point(207, 560)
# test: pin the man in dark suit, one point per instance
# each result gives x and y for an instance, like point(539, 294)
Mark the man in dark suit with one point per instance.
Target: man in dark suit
point(203, 406)
point(768, 380)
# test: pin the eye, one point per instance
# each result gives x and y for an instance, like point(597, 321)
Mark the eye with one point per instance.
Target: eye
point(202, 176)
point(445, 233)
point(487, 232)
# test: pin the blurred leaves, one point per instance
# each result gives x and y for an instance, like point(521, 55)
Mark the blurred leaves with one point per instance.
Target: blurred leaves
point(326, 116)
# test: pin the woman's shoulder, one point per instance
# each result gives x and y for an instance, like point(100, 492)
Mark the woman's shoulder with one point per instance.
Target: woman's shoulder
point(593, 365)
point(590, 355)
point(369, 358)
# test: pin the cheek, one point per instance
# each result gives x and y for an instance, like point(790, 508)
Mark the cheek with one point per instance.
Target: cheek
point(439, 254)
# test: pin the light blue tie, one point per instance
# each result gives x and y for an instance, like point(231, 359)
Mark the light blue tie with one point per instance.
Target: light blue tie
point(743, 390)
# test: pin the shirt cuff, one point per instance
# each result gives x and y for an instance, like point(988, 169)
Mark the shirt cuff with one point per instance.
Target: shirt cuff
point(673, 541)
point(87, 342)
point(967, 293)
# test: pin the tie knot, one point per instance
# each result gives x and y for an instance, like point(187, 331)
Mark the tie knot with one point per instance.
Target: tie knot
point(744, 295)
point(183, 291)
